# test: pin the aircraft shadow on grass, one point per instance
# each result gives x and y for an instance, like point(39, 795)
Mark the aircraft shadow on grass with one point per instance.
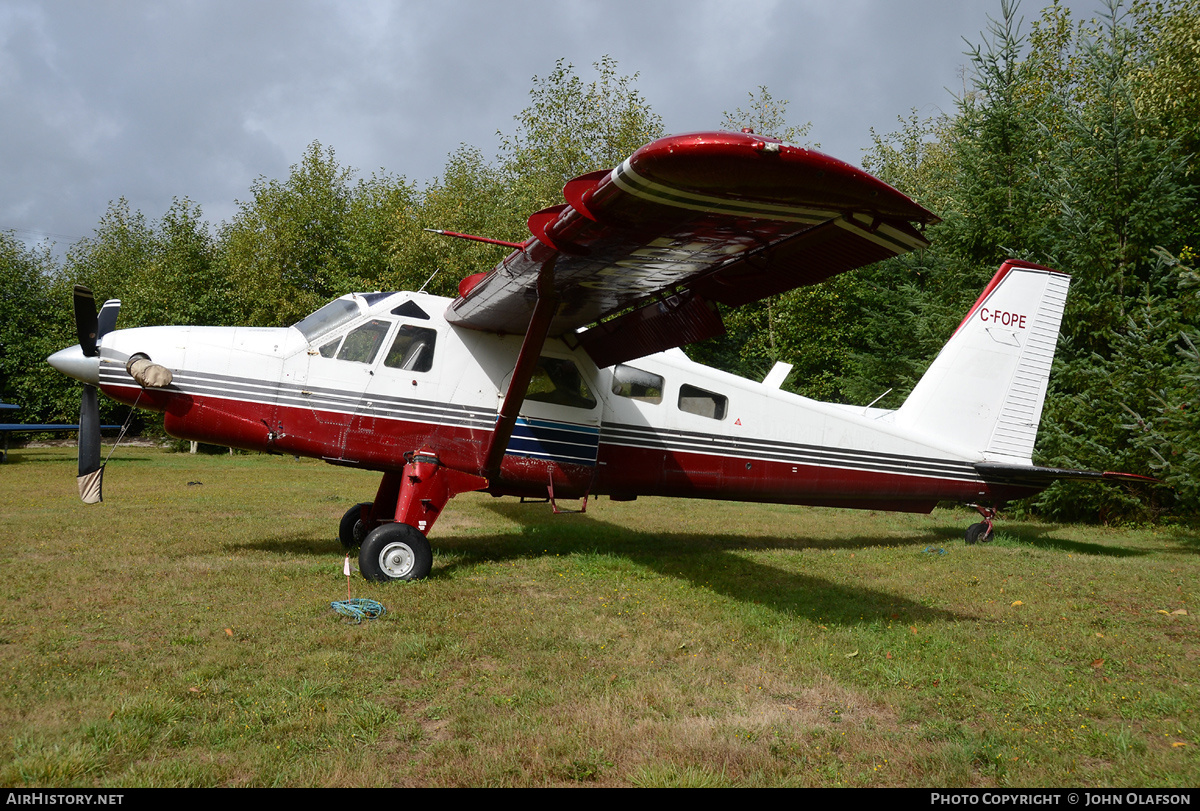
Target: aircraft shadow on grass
point(708, 562)
point(711, 561)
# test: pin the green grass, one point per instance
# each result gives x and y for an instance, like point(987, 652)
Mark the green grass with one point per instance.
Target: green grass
point(180, 635)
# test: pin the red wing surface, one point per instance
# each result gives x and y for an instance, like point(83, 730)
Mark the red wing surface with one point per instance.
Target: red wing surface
point(686, 221)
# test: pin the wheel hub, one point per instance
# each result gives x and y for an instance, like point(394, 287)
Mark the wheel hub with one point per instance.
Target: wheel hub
point(397, 559)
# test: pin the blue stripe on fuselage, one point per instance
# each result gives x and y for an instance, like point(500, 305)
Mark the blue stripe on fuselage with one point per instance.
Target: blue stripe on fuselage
point(556, 441)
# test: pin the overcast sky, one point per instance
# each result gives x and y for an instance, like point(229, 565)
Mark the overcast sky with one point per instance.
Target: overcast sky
point(197, 98)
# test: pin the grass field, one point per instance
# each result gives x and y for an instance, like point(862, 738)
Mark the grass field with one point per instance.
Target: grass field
point(180, 634)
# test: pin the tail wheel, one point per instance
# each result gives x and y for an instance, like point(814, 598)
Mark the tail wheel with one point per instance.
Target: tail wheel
point(979, 533)
point(395, 552)
point(352, 531)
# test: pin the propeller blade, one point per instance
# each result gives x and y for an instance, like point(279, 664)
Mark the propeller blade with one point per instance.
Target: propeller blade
point(107, 320)
point(85, 320)
point(91, 472)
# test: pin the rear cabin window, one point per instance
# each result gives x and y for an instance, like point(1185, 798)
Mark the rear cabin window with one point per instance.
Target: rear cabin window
point(412, 351)
point(705, 403)
point(558, 381)
point(636, 384)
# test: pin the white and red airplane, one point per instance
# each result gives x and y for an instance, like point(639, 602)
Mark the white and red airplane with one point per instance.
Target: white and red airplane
point(558, 370)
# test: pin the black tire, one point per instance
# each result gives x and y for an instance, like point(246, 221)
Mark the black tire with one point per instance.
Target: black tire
point(352, 531)
point(978, 533)
point(395, 552)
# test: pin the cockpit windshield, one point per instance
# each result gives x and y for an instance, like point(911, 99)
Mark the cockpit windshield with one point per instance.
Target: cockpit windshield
point(329, 317)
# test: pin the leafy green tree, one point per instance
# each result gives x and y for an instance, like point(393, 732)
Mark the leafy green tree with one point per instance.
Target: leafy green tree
point(766, 115)
point(471, 196)
point(186, 284)
point(1142, 418)
point(1167, 80)
point(113, 260)
point(164, 271)
point(317, 235)
point(380, 208)
point(1167, 423)
point(283, 247)
point(571, 128)
point(34, 323)
point(1055, 155)
point(1118, 189)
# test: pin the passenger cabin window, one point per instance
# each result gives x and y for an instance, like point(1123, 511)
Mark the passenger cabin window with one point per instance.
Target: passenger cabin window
point(705, 403)
point(412, 351)
point(637, 384)
point(361, 344)
point(558, 381)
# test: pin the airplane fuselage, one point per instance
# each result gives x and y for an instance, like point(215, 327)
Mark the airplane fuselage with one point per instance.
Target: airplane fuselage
point(393, 377)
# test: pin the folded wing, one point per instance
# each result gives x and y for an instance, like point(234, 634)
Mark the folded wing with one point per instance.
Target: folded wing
point(686, 222)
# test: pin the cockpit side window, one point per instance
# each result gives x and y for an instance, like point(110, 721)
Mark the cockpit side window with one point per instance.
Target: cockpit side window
point(363, 342)
point(558, 381)
point(636, 384)
point(705, 403)
point(412, 351)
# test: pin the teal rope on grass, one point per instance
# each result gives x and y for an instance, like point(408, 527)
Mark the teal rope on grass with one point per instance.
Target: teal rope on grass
point(358, 609)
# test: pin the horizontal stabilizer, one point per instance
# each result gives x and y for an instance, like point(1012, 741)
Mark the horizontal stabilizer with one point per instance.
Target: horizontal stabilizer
point(1042, 477)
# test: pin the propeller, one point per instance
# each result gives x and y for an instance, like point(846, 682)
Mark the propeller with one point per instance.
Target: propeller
point(91, 328)
point(86, 322)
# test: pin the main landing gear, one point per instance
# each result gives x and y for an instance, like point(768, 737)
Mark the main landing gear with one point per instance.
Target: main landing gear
point(982, 531)
point(390, 531)
point(395, 552)
point(355, 525)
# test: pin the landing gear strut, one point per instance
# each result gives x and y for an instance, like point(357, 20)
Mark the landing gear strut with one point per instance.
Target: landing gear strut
point(392, 529)
point(982, 531)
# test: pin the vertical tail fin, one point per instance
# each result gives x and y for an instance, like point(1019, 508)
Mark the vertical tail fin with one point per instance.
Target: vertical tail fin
point(984, 392)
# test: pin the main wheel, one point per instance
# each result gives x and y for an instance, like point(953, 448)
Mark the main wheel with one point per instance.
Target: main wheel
point(352, 531)
point(979, 533)
point(395, 552)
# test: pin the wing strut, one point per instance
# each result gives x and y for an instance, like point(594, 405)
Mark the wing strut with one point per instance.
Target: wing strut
point(531, 349)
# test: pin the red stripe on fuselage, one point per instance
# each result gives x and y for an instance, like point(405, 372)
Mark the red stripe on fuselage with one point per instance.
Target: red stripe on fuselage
point(380, 444)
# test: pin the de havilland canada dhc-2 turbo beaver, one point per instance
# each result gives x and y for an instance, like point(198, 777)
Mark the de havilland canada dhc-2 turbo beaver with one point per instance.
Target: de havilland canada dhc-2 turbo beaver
point(558, 371)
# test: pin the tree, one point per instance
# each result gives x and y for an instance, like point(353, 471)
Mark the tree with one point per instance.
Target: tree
point(316, 236)
point(809, 328)
point(35, 321)
point(471, 196)
point(112, 261)
point(1118, 188)
point(1167, 426)
point(571, 128)
point(767, 116)
point(568, 129)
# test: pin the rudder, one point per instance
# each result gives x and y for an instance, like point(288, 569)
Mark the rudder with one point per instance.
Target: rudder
point(985, 390)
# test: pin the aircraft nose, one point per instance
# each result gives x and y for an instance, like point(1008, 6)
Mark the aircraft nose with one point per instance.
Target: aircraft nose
point(73, 363)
